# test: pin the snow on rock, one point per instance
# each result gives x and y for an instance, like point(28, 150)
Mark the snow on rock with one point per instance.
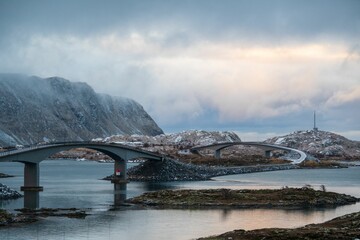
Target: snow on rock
point(7, 193)
point(178, 139)
point(186, 138)
point(279, 140)
point(319, 143)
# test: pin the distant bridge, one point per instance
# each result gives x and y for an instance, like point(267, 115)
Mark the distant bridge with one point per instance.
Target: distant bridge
point(33, 155)
point(268, 148)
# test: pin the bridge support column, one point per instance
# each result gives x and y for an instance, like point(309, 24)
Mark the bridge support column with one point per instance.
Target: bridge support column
point(217, 154)
point(268, 153)
point(120, 181)
point(31, 186)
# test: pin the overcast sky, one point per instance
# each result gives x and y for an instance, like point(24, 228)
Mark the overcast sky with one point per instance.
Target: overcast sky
point(256, 67)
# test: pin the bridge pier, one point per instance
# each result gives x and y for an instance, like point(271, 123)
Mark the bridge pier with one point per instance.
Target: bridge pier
point(120, 181)
point(31, 186)
point(217, 154)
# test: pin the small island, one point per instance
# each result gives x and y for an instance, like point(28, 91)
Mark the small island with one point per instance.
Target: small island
point(3, 175)
point(287, 198)
point(32, 215)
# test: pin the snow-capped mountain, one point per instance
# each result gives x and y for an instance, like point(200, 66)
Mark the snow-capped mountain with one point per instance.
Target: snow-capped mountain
point(319, 143)
point(186, 138)
point(54, 109)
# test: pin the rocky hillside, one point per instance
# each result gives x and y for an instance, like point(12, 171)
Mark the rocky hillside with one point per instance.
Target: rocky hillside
point(320, 144)
point(54, 109)
point(186, 138)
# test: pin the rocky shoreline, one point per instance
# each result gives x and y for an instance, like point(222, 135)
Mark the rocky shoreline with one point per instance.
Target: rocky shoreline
point(30, 215)
point(173, 170)
point(7, 219)
point(7, 193)
point(344, 227)
point(285, 198)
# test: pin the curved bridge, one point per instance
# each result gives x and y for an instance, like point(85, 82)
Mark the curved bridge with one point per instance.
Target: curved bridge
point(38, 153)
point(217, 147)
point(33, 155)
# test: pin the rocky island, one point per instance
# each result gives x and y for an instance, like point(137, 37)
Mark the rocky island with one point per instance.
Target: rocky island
point(3, 175)
point(286, 198)
point(344, 227)
point(6, 193)
point(30, 215)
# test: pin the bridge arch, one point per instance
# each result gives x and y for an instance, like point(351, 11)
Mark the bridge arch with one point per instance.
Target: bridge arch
point(36, 154)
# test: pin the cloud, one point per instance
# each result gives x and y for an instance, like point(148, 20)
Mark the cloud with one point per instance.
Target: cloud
point(204, 63)
point(177, 83)
point(344, 96)
point(256, 20)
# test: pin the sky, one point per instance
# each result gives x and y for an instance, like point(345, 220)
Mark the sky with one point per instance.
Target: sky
point(256, 67)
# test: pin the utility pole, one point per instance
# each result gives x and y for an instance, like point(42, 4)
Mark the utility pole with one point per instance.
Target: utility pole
point(315, 128)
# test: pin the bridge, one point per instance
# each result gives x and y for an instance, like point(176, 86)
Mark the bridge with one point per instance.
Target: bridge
point(32, 156)
point(268, 148)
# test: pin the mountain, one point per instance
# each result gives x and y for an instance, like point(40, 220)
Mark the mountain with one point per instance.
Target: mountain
point(320, 144)
point(188, 138)
point(54, 109)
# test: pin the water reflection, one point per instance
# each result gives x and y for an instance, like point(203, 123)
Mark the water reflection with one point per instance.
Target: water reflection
point(156, 186)
point(165, 224)
point(76, 184)
point(120, 193)
point(226, 213)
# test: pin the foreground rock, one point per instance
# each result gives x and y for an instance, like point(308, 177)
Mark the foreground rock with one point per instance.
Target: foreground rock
point(3, 175)
point(174, 141)
point(7, 193)
point(294, 198)
point(53, 212)
point(7, 218)
point(344, 227)
point(172, 170)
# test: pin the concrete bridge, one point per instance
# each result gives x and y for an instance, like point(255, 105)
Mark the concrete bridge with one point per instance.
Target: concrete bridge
point(33, 155)
point(268, 148)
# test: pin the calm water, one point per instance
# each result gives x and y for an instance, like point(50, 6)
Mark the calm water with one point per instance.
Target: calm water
point(70, 183)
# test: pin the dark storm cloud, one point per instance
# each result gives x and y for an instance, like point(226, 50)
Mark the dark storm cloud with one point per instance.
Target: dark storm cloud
point(254, 65)
point(206, 18)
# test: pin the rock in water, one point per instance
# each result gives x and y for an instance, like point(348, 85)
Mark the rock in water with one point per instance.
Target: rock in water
point(7, 193)
point(54, 109)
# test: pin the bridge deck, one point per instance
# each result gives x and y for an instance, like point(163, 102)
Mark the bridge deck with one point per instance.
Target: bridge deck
point(265, 146)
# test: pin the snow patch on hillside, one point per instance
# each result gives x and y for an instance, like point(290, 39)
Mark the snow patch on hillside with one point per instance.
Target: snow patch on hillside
point(186, 138)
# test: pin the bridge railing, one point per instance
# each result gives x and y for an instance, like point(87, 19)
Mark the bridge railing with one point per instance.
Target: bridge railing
point(46, 145)
point(23, 149)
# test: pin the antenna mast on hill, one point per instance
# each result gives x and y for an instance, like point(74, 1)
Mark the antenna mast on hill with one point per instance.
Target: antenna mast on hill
point(315, 128)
